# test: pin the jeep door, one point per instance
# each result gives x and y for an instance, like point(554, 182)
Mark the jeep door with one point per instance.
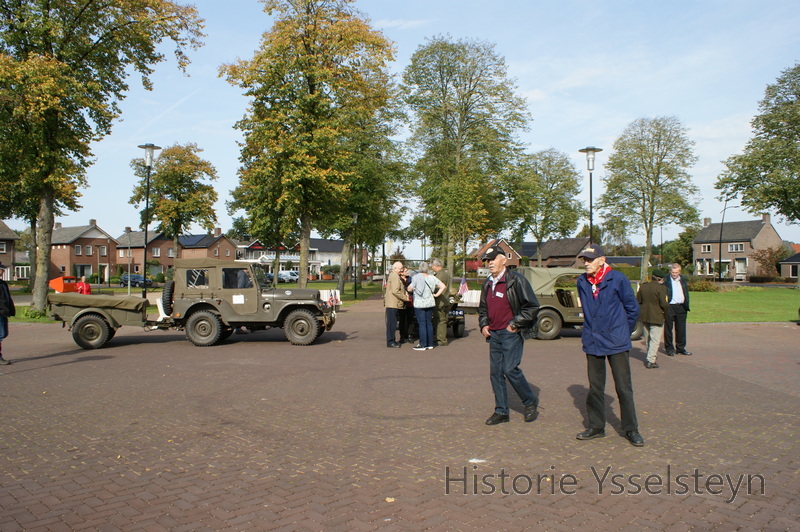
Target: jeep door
point(240, 290)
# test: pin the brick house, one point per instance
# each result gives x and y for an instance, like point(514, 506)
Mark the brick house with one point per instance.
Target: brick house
point(739, 240)
point(562, 252)
point(512, 254)
point(790, 266)
point(82, 250)
point(215, 245)
point(8, 242)
point(130, 248)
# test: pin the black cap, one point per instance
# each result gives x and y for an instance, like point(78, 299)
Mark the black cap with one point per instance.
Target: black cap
point(492, 253)
point(592, 251)
point(659, 273)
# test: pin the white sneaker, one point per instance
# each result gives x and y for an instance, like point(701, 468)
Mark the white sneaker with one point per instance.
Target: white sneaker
point(418, 348)
point(429, 347)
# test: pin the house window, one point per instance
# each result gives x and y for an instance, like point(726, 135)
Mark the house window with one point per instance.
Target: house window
point(732, 248)
point(103, 251)
point(2, 247)
point(62, 268)
point(793, 270)
point(78, 250)
point(705, 248)
point(122, 253)
point(216, 252)
point(156, 252)
point(227, 253)
point(171, 253)
point(88, 251)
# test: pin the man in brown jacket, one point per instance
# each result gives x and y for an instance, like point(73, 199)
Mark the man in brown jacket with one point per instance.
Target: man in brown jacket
point(394, 300)
point(652, 298)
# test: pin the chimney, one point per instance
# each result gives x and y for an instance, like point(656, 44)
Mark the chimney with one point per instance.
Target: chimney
point(706, 222)
point(128, 229)
point(765, 218)
point(217, 231)
point(57, 226)
point(92, 222)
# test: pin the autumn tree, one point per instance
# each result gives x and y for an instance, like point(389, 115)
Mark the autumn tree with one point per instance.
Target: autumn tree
point(319, 75)
point(648, 182)
point(465, 121)
point(63, 72)
point(767, 175)
point(180, 194)
point(542, 192)
point(769, 258)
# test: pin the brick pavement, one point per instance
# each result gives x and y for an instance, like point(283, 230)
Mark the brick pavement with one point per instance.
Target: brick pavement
point(151, 433)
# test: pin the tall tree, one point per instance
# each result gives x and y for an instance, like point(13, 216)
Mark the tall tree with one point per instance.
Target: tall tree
point(179, 197)
point(680, 250)
point(465, 121)
point(648, 182)
point(67, 64)
point(319, 75)
point(767, 174)
point(542, 191)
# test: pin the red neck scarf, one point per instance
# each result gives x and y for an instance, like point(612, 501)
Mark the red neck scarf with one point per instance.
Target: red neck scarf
point(597, 278)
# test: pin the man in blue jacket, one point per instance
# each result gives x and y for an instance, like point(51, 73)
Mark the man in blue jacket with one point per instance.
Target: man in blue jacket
point(610, 313)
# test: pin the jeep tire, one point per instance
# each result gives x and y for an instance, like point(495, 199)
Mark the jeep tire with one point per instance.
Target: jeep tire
point(203, 328)
point(91, 331)
point(166, 297)
point(548, 323)
point(301, 327)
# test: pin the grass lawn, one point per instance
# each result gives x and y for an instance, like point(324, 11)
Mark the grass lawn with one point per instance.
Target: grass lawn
point(745, 304)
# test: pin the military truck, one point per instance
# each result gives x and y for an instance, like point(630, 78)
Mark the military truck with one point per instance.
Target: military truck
point(559, 305)
point(208, 299)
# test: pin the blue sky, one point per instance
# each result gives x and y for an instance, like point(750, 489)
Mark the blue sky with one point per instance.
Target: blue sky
point(586, 68)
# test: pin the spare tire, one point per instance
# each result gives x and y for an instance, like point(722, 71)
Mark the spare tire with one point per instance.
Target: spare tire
point(166, 297)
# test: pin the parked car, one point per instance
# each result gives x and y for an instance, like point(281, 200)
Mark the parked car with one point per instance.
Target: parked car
point(135, 280)
point(288, 276)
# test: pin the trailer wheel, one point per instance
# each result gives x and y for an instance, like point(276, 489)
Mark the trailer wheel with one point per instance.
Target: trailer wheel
point(166, 297)
point(203, 328)
point(301, 327)
point(549, 324)
point(91, 331)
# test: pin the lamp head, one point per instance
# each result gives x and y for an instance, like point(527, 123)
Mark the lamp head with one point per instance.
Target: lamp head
point(149, 149)
point(590, 151)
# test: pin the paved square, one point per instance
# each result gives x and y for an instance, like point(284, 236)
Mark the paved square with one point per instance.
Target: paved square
point(152, 433)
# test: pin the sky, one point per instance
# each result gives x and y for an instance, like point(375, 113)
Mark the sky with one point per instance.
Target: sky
point(586, 68)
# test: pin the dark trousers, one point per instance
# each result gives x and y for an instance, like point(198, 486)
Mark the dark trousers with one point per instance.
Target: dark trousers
point(675, 319)
point(391, 324)
point(596, 400)
point(505, 355)
point(406, 317)
point(440, 322)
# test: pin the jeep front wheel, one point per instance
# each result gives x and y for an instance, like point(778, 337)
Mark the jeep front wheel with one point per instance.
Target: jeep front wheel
point(548, 324)
point(203, 328)
point(301, 327)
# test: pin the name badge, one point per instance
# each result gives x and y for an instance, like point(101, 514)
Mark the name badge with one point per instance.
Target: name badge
point(498, 294)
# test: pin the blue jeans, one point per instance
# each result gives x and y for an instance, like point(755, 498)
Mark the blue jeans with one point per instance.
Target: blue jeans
point(425, 324)
point(3, 327)
point(505, 355)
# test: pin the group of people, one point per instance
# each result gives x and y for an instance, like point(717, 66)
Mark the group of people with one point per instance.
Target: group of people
point(423, 299)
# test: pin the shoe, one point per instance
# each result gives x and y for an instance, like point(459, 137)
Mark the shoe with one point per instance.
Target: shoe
point(392, 344)
point(497, 419)
point(531, 412)
point(429, 347)
point(635, 438)
point(4, 362)
point(651, 365)
point(686, 353)
point(590, 434)
point(419, 348)
point(670, 354)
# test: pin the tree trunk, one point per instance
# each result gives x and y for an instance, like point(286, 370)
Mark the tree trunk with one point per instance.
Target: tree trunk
point(44, 236)
point(305, 244)
point(347, 248)
point(32, 255)
point(648, 245)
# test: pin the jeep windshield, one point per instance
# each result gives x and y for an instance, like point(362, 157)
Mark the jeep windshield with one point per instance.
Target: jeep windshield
point(262, 276)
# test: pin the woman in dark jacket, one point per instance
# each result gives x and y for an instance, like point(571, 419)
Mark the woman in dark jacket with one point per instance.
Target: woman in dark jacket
point(6, 309)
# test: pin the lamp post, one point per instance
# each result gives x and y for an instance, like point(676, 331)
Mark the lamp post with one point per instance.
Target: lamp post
point(590, 151)
point(721, 225)
point(128, 232)
point(149, 149)
point(355, 256)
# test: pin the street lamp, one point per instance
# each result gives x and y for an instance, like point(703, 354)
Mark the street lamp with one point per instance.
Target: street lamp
point(590, 151)
point(149, 149)
point(355, 256)
point(721, 225)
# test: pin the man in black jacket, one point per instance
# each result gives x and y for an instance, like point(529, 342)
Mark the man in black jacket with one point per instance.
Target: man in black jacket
point(506, 312)
point(6, 309)
point(678, 296)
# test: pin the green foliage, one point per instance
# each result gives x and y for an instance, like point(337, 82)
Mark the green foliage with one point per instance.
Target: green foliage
point(159, 278)
point(648, 184)
point(30, 313)
point(680, 250)
point(331, 269)
point(631, 272)
point(767, 174)
point(701, 285)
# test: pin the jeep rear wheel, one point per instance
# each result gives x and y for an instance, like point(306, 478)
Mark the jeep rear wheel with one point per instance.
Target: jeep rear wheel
point(203, 328)
point(638, 332)
point(301, 327)
point(548, 324)
point(91, 331)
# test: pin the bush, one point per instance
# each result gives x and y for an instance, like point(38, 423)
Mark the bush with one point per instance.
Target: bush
point(634, 273)
point(331, 269)
point(29, 313)
point(115, 279)
point(92, 278)
point(763, 279)
point(159, 278)
point(702, 285)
